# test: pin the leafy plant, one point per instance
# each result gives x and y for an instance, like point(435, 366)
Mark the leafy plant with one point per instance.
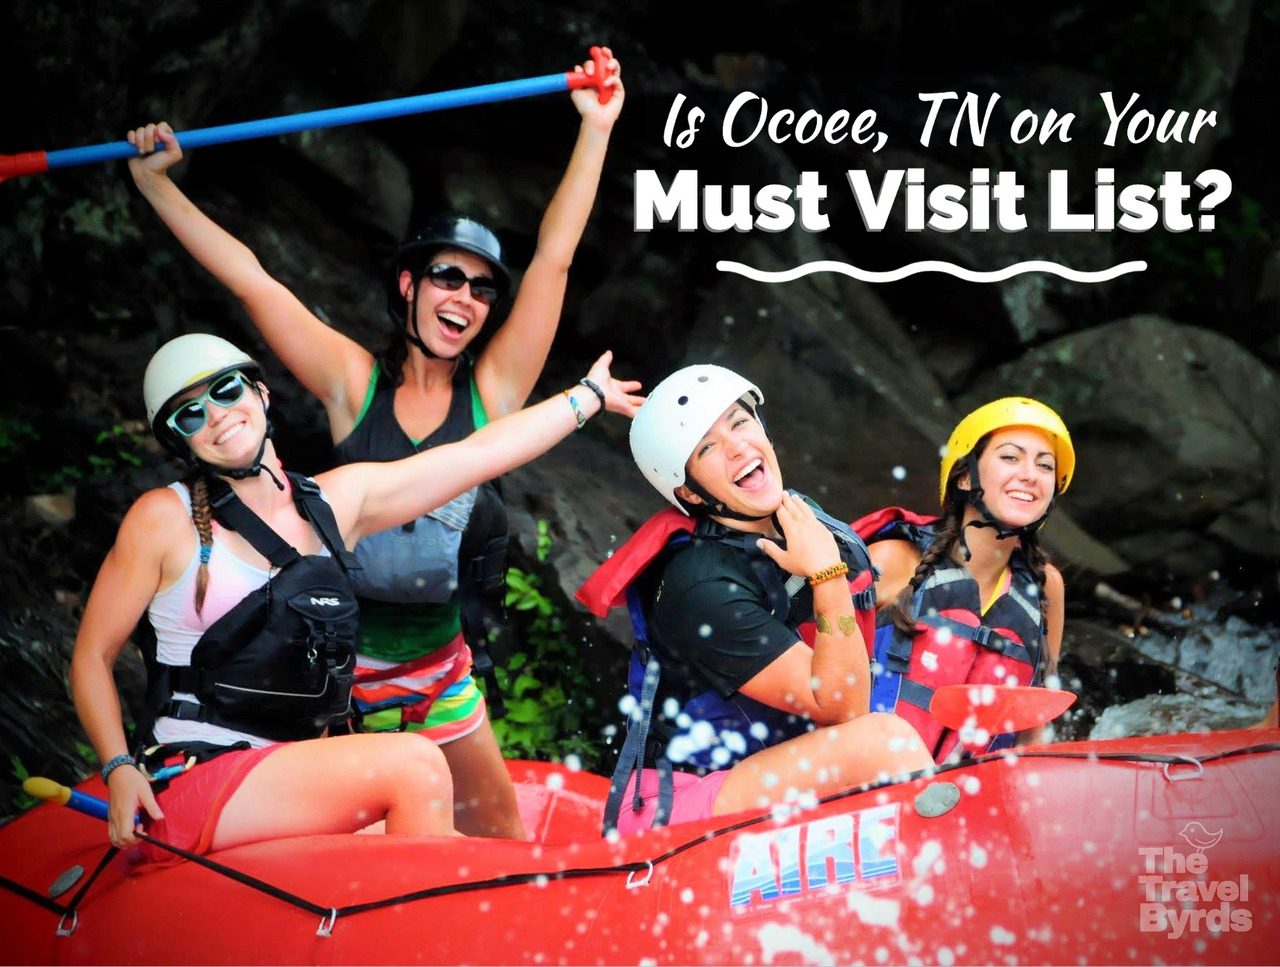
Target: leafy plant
point(549, 696)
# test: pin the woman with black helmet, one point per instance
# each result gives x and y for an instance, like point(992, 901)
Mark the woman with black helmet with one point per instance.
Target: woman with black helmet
point(241, 571)
point(422, 583)
point(970, 596)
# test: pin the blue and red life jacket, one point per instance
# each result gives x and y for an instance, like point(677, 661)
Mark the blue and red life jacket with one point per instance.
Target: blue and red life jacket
point(955, 641)
point(710, 731)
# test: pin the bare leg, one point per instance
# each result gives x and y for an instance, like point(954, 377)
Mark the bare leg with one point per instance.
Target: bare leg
point(484, 797)
point(338, 785)
point(824, 761)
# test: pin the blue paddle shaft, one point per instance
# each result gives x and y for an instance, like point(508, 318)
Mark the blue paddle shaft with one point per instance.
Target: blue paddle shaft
point(327, 118)
point(89, 805)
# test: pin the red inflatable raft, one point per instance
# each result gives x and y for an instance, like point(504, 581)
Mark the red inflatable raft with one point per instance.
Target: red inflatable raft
point(1154, 850)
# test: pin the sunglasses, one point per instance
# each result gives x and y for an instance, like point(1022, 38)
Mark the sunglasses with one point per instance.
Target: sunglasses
point(451, 278)
point(190, 417)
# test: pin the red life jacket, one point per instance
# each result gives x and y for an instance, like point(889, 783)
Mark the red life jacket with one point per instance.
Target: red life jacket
point(955, 642)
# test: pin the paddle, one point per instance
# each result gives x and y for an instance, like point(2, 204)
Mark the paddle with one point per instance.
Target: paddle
point(50, 791)
point(34, 162)
point(996, 709)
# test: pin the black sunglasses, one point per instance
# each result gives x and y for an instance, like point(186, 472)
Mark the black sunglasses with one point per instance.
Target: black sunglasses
point(190, 417)
point(451, 278)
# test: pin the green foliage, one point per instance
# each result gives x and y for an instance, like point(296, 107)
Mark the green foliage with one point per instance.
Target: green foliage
point(15, 434)
point(549, 696)
point(119, 445)
point(21, 800)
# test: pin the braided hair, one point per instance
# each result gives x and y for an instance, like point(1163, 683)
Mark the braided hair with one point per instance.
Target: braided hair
point(202, 516)
point(947, 533)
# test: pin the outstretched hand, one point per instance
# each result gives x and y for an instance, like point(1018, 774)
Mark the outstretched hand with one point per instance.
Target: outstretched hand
point(587, 99)
point(148, 164)
point(620, 396)
point(810, 546)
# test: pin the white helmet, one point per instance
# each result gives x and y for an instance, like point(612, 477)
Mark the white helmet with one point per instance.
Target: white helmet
point(184, 362)
point(677, 414)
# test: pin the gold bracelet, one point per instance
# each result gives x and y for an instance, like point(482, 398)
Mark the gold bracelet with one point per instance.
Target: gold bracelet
point(827, 573)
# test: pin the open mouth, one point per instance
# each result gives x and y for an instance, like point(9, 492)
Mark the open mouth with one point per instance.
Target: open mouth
point(1021, 496)
point(751, 476)
point(452, 324)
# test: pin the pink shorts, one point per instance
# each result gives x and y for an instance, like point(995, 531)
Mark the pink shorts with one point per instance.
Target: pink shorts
point(193, 804)
point(692, 799)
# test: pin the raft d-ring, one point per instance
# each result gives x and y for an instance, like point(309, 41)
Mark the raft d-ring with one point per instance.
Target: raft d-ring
point(633, 883)
point(326, 923)
point(65, 929)
point(1184, 760)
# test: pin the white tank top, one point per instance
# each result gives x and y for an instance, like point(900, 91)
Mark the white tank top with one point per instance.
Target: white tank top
point(178, 627)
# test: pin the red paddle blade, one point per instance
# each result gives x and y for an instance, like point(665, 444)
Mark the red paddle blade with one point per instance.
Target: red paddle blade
point(996, 709)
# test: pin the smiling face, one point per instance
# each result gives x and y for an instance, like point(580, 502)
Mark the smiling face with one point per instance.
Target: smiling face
point(735, 463)
point(1017, 470)
point(448, 320)
point(232, 436)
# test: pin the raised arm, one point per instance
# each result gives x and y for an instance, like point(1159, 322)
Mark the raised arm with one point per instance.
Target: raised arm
point(831, 682)
point(510, 365)
point(334, 368)
point(372, 497)
point(128, 579)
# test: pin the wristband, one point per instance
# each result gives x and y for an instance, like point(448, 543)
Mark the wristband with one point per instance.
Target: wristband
point(577, 409)
point(115, 763)
point(595, 389)
point(827, 573)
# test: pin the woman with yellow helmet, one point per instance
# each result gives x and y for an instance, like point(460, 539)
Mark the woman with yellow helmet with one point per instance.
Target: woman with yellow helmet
point(969, 596)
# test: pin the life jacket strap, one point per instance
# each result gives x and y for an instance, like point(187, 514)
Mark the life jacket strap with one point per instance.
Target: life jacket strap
point(632, 757)
point(981, 635)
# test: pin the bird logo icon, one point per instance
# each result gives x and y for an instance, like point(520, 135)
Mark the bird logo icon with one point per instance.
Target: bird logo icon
point(1199, 837)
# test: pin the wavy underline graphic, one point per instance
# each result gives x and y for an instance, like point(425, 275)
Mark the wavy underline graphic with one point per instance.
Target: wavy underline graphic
point(947, 268)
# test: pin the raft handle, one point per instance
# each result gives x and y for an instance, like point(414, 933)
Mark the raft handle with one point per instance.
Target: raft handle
point(63, 929)
point(633, 883)
point(326, 923)
point(1183, 760)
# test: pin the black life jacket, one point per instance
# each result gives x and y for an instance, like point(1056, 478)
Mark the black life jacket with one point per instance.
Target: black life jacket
point(955, 642)
point(280, 663)
point(631, 574)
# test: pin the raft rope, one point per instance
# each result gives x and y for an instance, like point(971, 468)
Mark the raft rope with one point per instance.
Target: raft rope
point(330, 915)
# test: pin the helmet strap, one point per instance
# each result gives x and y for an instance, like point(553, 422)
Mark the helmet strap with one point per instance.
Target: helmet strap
point(411, 329)
point(242, 473)
point(711, 507)
point(974, 496)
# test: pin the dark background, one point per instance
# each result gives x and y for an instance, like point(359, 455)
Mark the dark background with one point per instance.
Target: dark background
point(1166, 377)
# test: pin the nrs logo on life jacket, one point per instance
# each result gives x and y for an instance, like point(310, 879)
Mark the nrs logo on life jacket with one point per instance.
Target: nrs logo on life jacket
point(956, 640)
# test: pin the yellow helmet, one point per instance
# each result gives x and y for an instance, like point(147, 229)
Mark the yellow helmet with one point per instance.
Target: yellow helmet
point(1002, 413)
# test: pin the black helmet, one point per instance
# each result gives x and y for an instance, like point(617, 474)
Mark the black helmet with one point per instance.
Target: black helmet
point(439, 232)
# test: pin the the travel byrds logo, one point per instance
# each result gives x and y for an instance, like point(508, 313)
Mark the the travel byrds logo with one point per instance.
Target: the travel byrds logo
point(1180, 894)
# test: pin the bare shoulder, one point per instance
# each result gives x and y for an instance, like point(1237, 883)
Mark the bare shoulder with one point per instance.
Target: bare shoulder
point(896, 561)
point(156, 511)
point(1054, 585)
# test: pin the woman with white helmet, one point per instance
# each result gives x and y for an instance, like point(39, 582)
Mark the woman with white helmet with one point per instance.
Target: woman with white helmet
point(969, 596)
point(242, 573)
point(423, 587)
point(746, 711)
